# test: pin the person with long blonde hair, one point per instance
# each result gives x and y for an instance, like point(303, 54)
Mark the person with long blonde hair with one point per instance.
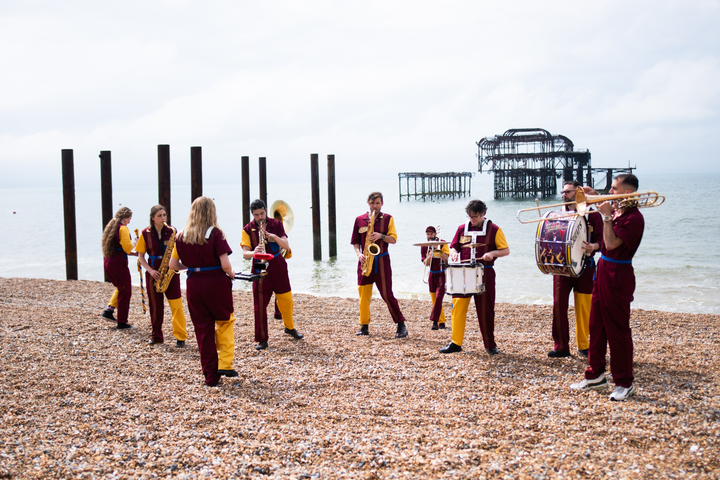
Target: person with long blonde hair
point(202, 249)
point(116, 246)
point(154, 241)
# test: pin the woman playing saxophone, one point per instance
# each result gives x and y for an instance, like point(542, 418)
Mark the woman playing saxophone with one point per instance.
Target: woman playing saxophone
point(157, 241)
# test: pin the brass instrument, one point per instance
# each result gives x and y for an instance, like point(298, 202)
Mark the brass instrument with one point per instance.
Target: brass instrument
point(371, 249)
point(166, 273)
point(624, 200)
point(432, 246)
point(281, 211)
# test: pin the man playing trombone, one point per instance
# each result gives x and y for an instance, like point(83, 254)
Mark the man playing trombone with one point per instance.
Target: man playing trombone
point(582, 287)
point(623, 227)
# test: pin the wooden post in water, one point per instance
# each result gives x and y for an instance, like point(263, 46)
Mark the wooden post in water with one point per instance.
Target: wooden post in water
point(164, 179)
point(68, 179)
point(263, 179)
point(106, 191)
point(315, 190)
point(332, 226)
point(196, 182)
point(245, 190)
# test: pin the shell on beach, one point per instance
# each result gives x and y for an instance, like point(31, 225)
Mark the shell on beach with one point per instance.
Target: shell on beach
point(79, 399)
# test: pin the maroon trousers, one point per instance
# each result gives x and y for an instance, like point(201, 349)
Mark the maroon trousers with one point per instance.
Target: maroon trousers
point(157, 303)
point(275, 281)
point(436, 284)
point(381, 276)
point(116, 268)
point(562, 286)
point(209, 297)
point(610, 323)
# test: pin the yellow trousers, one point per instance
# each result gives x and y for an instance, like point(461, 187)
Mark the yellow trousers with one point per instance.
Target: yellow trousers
point(365, 292)
point(285, 305)
point(179, 322)
point(442, 309)
point(582, 319)
point(225, 342)
point(458, 317)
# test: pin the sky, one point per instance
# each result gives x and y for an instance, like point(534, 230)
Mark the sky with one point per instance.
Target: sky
point(386, 86)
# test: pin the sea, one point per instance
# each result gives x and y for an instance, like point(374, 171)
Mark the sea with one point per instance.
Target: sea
point(677, 265)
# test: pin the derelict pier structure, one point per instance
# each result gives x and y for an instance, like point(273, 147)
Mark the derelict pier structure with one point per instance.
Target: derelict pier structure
point(431, 186)
point(527, 162)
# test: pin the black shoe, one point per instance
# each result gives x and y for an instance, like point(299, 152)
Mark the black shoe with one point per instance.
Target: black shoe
point(558, 354)
point(435, 326)
point(108, 315)
point(228, 373)
point(583, 353)
point(364, 330)
point(441, 326)
point(180, 344)
point(261, 346)
point(153, 342)
point(294, 333)
point(401, 330)
point(492, 351)
point(278, 316)
point(124, 326)
point(451, 348)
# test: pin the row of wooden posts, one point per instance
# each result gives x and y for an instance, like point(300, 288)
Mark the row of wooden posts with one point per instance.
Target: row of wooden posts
point(68, 178)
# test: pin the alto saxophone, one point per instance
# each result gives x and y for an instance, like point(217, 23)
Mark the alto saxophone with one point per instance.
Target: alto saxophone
point(166, 273)
point(371, 249)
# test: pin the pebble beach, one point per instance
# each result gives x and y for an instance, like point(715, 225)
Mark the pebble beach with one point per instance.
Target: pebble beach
point(79, 399)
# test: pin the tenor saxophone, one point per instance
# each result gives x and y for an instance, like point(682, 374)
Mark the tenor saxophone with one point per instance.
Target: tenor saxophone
point(371, 249)
point(166, 273)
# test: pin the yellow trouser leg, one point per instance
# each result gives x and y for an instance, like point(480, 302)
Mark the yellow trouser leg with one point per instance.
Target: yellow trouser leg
point(582, 319)
point(225, 342)
point(113, 300)
point(458, 317)
point(365, 296)
point(178, 319)
point(285, 305)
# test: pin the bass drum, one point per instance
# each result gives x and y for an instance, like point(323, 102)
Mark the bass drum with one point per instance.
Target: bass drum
point(559, 242)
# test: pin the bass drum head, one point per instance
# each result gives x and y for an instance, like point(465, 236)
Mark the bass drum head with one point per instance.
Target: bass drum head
point(576, 254)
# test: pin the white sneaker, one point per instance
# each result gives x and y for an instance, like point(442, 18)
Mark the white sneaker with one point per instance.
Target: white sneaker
point(597, 384)
point(621, 393)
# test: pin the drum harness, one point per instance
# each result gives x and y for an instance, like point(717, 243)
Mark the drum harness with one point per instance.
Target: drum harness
point(474, 236)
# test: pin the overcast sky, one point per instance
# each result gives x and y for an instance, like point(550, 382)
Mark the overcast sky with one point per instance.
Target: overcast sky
point(386, 86)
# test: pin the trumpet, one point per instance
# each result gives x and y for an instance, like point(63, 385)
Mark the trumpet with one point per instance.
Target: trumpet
point(623, 200)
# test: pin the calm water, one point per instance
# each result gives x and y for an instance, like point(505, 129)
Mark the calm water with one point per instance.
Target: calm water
point(677, 265)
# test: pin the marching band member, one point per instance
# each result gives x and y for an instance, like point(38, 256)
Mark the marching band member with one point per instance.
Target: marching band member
point(274, 240)
point(582, 287)
point(383, 234)
point(478, 230)
point(436, 278)
point(201, 248)
point(612, 294)
point(117, 245)
point(154, 241)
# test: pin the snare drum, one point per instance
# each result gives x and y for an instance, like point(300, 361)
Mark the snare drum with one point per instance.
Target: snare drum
point(464, 279)
point(558, 244)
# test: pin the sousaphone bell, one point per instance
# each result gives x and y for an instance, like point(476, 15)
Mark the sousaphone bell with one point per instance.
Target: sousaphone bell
point(281, 211)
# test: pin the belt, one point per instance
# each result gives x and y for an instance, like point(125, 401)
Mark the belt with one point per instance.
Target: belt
point(375, 263)
point(203, 269)
point(121, 250)
point(437, 271)
point(612, 260)
point(154, 257)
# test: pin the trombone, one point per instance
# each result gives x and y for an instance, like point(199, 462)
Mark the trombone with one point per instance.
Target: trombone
point(624, 200)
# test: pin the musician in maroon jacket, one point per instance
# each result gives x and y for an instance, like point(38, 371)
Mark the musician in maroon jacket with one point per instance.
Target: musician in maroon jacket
point(383, 234)
point(154, 241)
point(612, 294)
point(276, 279)
point(436, 278)
point(202, 249)
point(117, 245)
point(477, 230)
point(582, 286)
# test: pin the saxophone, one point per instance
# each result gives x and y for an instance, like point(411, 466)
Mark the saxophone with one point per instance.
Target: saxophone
point(166, 273)
point(371, 249)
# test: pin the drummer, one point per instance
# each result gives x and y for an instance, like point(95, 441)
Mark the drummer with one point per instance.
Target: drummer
point(581, 286)
point(478, 230)
point(435, 258)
